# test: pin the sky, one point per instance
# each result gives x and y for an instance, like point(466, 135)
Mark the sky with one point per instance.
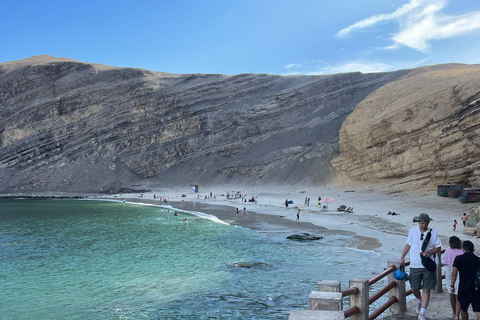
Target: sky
point(285, 37)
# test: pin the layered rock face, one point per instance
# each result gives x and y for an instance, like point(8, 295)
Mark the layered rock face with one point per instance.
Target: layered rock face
point(420, 130)
point(80, 127)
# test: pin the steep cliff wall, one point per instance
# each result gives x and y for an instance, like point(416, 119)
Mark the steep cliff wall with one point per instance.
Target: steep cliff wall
point(72, 126)
point(420, 130)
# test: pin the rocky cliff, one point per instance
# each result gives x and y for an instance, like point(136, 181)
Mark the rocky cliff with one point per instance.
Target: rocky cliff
point(73, 126)
point(420, 130)
point(82, 127)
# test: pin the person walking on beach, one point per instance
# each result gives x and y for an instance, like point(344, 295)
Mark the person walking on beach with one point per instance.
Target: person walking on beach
point(420, 277)
point(466, 265)
point(464, 219)
point(447, 261)
point(455, 223)
point(298, 215)
point(286, 203)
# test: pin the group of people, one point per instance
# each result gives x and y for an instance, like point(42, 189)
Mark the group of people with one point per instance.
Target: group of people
point(307, 202)
point(461, 268)
point(238, 211)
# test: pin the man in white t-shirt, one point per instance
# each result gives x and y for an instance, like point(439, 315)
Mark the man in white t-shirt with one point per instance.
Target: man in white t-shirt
point(420, 277)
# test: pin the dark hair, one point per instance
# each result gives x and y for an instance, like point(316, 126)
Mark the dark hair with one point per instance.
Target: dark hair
point(468, 246)
point(455, 242)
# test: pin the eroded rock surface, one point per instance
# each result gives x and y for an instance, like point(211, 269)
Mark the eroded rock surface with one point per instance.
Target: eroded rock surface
point(420, 130)
point(80, 127)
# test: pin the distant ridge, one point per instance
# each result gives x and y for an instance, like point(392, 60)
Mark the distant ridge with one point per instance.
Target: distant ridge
point(81, 127)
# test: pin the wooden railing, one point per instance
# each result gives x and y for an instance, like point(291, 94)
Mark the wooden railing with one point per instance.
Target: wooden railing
point(327, 302)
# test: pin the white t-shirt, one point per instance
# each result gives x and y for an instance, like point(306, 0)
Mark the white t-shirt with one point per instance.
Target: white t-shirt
point(415, 243)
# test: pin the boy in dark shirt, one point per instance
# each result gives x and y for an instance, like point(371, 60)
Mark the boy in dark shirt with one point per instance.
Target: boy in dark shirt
point(467, 265)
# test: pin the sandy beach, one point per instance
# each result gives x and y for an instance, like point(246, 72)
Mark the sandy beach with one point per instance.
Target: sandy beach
point(370, 221)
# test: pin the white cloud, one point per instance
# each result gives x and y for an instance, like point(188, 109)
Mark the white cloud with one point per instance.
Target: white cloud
point(416, 64)
point(421, 21)
point(354, 67)
point(345, 68)
point(292, 65)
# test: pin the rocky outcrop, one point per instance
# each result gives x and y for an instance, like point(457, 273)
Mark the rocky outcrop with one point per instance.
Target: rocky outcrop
point(81, 127)
point(303, 237)
point(420, 130)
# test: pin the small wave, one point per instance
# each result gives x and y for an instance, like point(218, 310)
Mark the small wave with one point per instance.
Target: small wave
point(202, 215)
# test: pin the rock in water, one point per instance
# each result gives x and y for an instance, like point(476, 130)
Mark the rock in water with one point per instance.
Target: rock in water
point(245, 264)
point(303, 237)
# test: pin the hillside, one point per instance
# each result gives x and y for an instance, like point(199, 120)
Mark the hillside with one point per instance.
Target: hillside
point(81, 127)
point(421, 130)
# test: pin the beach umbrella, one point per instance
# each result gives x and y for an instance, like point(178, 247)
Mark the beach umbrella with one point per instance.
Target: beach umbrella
point(327, 199)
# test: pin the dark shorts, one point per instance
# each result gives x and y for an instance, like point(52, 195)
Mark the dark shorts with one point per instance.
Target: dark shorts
point(422, 278)
point(470, 298)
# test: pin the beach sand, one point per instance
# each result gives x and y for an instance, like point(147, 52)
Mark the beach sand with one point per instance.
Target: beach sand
point(369, 222)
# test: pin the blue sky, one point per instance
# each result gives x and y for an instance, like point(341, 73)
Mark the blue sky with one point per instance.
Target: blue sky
point(245, 36)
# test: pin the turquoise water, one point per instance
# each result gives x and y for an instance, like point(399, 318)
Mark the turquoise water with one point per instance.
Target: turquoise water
point(77, 259)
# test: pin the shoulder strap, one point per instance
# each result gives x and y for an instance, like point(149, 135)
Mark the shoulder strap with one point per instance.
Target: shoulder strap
point(427, 240)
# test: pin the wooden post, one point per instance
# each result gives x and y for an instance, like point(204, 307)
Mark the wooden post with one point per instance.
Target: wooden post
point(438, 272)
point(398, 291)
point(360, 300)
point(331, 301)
point(329, 286)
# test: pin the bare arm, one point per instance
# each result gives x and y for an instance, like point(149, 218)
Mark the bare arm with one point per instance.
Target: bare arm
point(454, 278)
point(433, 251)
point(406, 249)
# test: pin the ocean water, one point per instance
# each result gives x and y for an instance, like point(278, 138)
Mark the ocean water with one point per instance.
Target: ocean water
point(81, 259)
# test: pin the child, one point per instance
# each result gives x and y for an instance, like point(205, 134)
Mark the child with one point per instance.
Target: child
point(455, 225)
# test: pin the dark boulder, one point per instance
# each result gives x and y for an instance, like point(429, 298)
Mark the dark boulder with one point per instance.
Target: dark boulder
point(303, 237)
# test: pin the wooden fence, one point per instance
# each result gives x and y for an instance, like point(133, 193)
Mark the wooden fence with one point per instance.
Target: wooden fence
point(327, 302)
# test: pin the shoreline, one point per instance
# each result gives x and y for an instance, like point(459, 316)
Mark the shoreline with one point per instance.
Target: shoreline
point(369, 222)
point(254, 220)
